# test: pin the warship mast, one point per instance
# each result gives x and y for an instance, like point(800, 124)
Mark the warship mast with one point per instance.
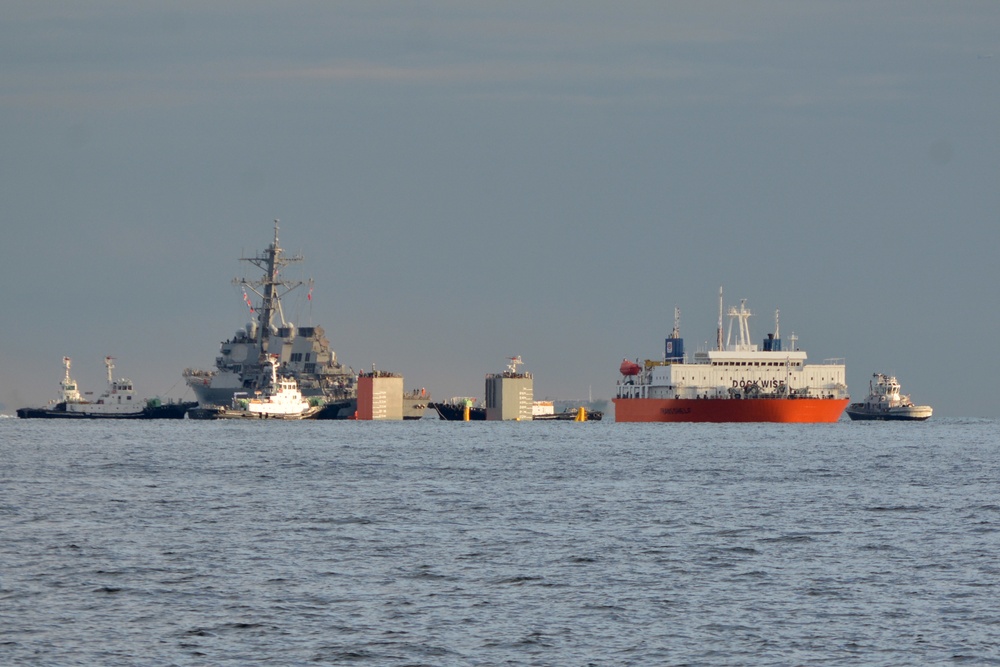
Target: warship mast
point(271, 261)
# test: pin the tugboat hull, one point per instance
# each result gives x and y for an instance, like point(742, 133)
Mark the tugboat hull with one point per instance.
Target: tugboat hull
point(917, 413)
point(162, 411)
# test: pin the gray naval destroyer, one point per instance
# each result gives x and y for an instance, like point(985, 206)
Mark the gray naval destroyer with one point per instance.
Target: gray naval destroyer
point(302, 352)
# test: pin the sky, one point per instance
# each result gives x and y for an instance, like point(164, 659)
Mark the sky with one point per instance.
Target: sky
point(472, 181)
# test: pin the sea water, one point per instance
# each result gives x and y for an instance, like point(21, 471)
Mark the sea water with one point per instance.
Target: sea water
point(547, 543)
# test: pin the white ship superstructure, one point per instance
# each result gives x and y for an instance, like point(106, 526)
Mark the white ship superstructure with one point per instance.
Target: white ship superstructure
point(117, 398)
point(69, 391)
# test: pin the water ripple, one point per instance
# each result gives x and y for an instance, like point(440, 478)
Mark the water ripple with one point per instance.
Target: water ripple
point(435, 544)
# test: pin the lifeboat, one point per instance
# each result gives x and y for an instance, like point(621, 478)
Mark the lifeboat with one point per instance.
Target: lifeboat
point(629, 367)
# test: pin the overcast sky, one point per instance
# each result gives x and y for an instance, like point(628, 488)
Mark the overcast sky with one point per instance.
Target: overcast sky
point(473, 181)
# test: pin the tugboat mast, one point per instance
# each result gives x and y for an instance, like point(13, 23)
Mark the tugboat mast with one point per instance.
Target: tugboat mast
point(271, 261)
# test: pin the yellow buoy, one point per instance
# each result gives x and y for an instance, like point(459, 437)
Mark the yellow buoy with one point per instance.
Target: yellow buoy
point(581, 415)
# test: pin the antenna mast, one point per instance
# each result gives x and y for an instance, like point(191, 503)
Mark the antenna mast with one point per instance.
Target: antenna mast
point(719, 330)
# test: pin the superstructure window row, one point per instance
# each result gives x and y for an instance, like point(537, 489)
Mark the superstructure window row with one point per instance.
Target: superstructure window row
point(755, 363)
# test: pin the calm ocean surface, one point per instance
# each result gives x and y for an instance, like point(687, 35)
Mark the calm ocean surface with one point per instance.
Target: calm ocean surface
point(449, 543)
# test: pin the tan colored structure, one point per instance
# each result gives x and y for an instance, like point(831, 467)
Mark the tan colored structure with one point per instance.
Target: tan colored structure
point(510, 395)
point(380, 396)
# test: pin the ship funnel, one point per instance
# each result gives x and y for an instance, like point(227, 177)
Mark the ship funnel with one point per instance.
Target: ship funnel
point(673, 350)
point(773, 341)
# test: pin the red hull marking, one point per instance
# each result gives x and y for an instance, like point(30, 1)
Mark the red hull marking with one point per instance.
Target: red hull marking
point(784, 410)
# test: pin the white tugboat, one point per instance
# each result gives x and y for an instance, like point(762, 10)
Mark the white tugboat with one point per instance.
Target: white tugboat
point(885, 402)
point(279, 398)
point(117, 402)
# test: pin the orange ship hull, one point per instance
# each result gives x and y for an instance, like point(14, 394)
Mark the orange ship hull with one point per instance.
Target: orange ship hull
point(784, 410)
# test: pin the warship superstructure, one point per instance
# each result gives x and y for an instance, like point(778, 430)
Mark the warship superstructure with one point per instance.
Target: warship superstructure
point(301, 352)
